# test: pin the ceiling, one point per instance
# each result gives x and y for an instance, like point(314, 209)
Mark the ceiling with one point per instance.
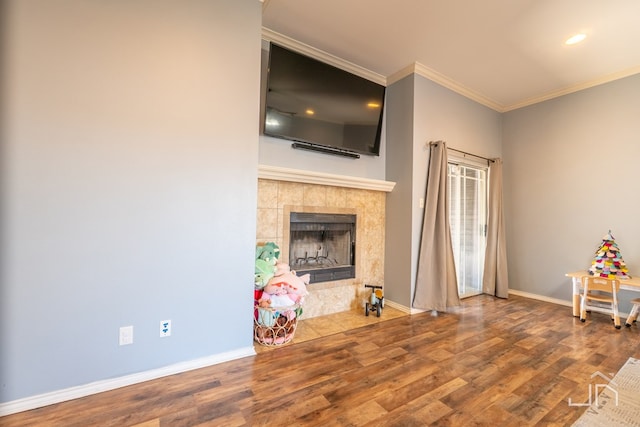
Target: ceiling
point(502, 53)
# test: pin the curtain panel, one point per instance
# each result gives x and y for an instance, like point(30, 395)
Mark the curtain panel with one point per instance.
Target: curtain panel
point(436, 286)
point(495, 280)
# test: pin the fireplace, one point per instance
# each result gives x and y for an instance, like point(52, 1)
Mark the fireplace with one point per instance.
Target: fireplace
point(280, 194)
point(323, 245)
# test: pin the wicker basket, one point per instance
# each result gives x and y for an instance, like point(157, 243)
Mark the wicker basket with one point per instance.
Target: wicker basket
point(273, 326)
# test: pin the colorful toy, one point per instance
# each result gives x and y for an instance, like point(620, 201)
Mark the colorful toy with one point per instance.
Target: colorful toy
point(376, 301)
point(278, 297)
point(268, 251)
point(282, 268)
point(264, 271)
point(266, 261)
point(286, 289)
point(608, 262)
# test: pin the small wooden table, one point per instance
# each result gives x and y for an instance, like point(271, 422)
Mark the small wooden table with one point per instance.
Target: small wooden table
point(631, 284)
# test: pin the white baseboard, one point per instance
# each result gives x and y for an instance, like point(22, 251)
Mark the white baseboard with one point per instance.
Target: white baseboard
point(552, 300)
point(529, 295)
point(511, 292)
point(397, 306)
point(71, 393)
point(540, 298)
point(403, 308)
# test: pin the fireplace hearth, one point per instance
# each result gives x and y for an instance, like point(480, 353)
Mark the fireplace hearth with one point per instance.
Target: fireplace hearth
point(323, 245)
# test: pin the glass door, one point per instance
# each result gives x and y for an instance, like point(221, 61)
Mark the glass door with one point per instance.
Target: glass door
point(468, 218)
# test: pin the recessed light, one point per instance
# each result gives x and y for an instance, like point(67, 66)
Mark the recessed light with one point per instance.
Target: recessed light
point(310, 112)
point(576, 39)
point(373, 105)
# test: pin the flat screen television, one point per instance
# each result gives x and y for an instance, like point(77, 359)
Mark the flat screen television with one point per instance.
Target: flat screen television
point(321, 106)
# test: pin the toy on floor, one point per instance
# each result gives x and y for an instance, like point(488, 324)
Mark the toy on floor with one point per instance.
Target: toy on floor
point(376, 302)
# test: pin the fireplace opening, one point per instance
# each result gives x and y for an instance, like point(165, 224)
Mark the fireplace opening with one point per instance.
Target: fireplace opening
point(323, 245)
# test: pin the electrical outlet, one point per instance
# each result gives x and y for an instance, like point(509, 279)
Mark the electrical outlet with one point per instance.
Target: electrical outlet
point(126, 335)
point(165, 328)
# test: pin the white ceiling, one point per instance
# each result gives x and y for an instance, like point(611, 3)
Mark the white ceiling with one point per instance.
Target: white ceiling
point(502, 53)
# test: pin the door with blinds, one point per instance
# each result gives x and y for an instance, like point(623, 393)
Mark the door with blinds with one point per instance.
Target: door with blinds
point(468, 219)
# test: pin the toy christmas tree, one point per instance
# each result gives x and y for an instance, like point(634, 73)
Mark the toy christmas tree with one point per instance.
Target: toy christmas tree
point(608, 262)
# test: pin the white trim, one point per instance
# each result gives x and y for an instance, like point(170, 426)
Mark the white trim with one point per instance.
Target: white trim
point(511, 292)
point(309, 177)
point(454, 156)
point(442, 80)
point(540, 297)
point(403, 308)
point(433, 75)
point(572, 89)
point(401, 74)
point(445, 81)
point(71, 393)
point(320, 55)
point(397, 306)
point(565, 303)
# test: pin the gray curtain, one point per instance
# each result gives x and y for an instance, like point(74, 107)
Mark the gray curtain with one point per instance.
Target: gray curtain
point(495, 280)
point(436, 283)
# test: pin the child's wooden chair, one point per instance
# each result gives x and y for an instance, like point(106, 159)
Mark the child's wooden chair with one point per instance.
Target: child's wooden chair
point(634, 312)
point(600, 295)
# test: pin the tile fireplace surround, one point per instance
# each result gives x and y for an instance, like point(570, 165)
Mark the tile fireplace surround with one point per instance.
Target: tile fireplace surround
point(283, 190)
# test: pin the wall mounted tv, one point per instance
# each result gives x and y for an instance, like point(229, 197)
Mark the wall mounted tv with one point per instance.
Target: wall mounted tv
point(320, 106)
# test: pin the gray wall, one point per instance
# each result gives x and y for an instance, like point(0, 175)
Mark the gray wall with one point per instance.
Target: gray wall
point(398, 215)
point(570, 174)
point(129, 158)
point(437, 113)
point(129, 170)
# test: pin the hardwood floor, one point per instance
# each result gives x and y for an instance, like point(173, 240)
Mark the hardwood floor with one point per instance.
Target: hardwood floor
point(490, 362)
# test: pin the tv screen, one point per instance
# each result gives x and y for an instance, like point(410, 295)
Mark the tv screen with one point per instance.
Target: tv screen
point(318, 104)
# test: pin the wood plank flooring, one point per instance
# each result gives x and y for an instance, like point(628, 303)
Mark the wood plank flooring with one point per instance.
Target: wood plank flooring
point(490, 362)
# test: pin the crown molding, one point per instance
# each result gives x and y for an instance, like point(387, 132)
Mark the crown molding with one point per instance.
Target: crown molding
point(428, 73)
point(451, 84)
point(433, 75)
point(401, 74)
point(576, 88)
point(277, 173)
point(442, 80)
point(305, 49)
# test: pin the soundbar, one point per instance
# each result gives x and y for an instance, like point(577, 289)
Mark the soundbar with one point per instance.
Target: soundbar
point(325, 150)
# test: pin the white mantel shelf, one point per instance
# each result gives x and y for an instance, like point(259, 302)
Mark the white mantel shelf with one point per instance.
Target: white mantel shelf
point(307, 177)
